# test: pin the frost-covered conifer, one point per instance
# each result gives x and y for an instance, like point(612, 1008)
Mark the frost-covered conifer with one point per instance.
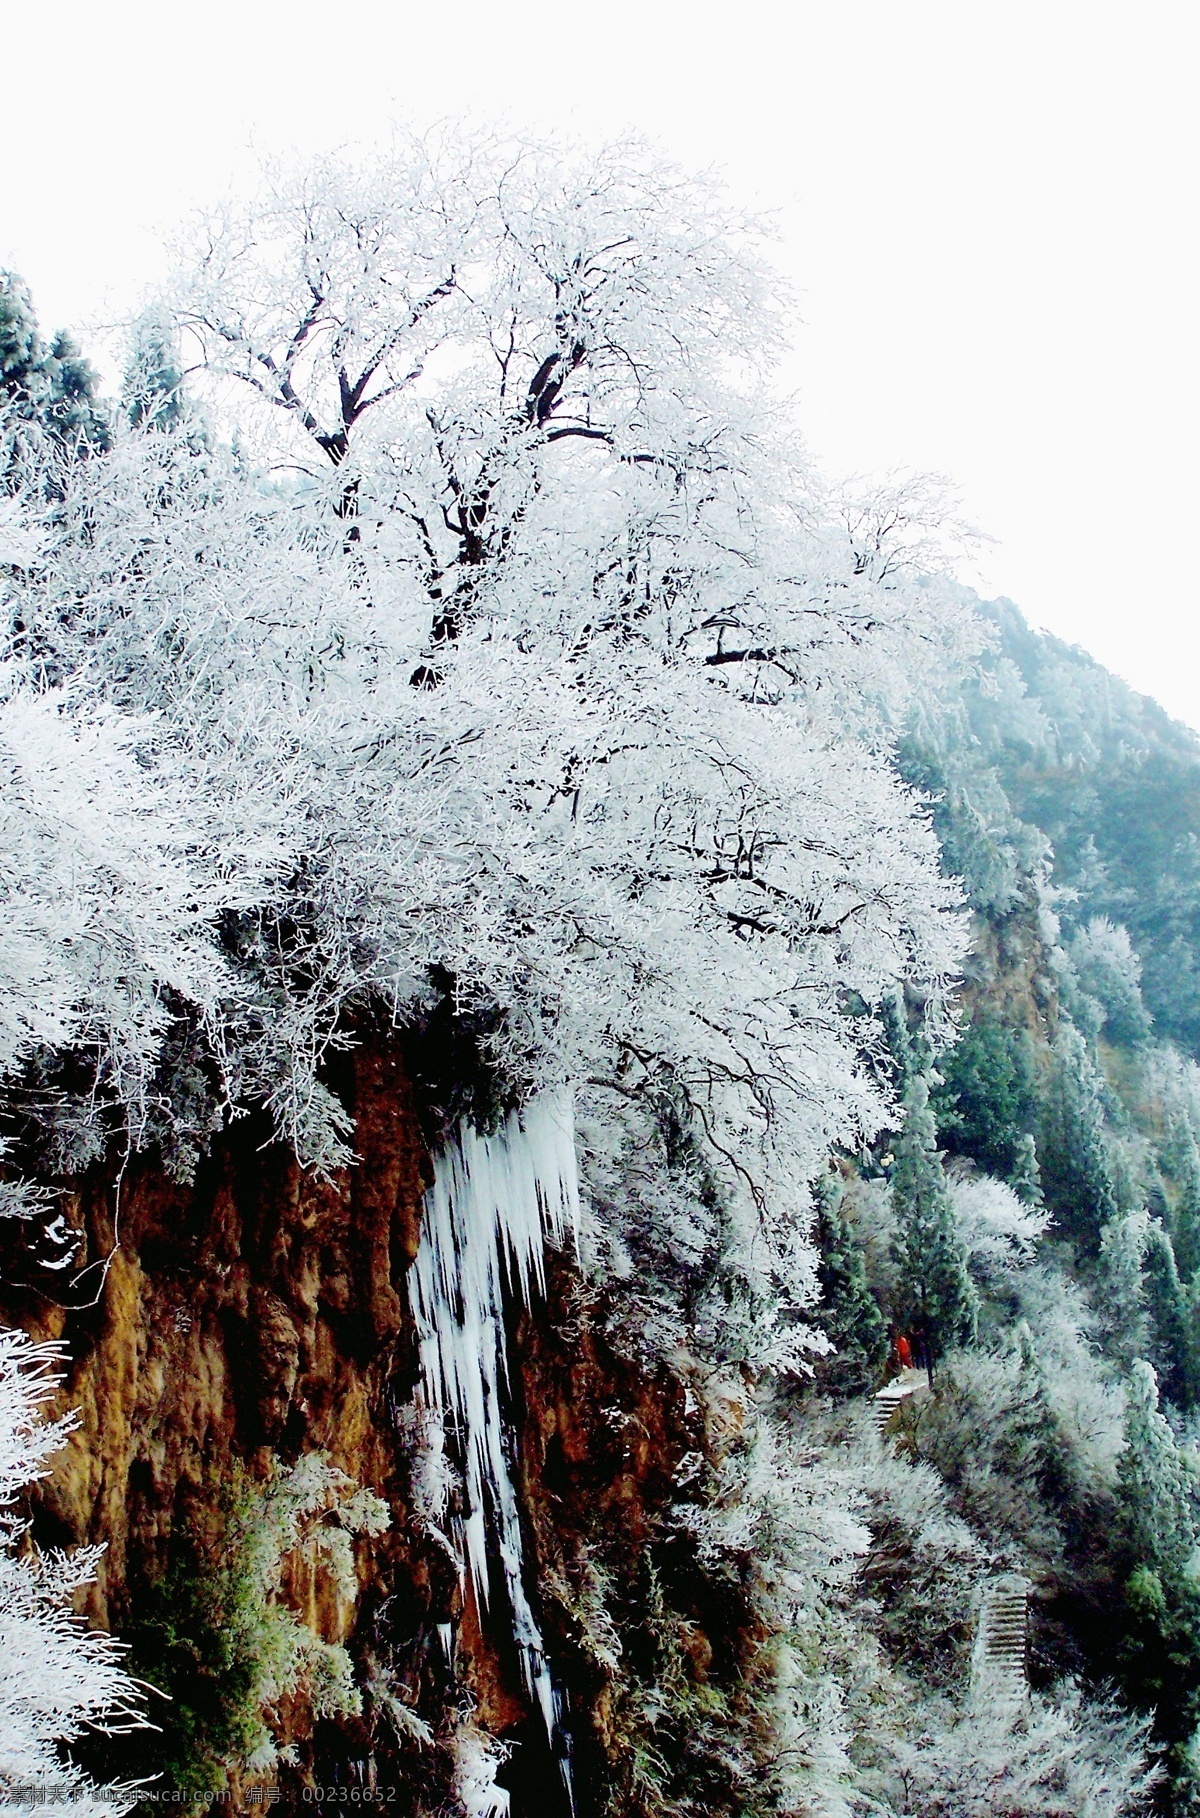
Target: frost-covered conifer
point(1173, 1345)
point(1110, 971)
point(1158, 1507)
point(51, 387)
point(1183, 1155)
point(985, 1104)
point(1123, 1244)
point(1026, 1177)
point(1158, 1497)
point(152, 390)
point(1071, 1146)
point(849, 1314)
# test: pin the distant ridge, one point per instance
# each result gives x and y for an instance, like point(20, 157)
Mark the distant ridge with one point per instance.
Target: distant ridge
point(1047, 741)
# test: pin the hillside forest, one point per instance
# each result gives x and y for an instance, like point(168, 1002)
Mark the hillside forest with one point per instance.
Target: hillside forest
point(599, 1088)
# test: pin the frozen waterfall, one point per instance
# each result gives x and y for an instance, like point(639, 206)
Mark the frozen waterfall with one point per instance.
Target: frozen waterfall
point(493, 1203)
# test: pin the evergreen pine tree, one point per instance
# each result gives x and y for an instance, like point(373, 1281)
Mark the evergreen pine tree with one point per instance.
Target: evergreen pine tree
point(902, 1044)
point(1162, 1641)
point(20, 344)
point(849, 1314)
point(1172, 1346)
point(1072, 1148)
point(51, 387)
point(1047, 1450)
point(1183, 1157)
point(1122, 1274)
point(985, 1105)
point(934, 1290)
point(1026, 1177)
point(72, 410)
point(1155, 1484)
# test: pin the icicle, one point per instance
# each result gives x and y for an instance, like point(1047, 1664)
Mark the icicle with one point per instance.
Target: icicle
point(493, 1203)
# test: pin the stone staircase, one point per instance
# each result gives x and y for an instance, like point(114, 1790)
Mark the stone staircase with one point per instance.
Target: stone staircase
point(998, 1663)
point(895, 1391)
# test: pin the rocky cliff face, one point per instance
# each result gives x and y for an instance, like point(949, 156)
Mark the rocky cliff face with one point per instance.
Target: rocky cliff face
point(244, 1320)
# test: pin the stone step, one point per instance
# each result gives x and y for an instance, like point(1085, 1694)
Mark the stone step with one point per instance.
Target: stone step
point(889, 1398)
point(1000, 1648)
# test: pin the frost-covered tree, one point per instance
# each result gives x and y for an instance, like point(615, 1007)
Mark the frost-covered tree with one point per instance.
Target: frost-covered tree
point(934, 1289)
point(1110, 972)
point(1054, 1758)
point(1072, 1146)
point(1026, 1176)
point(110, 892)
point(1087, 1405)
point(1123, 1281)
point(217, 1635)
point(46, 386)
point(1162, 1646)
point(558, 676)
point(1147, 1309)
point(1173, 1349)
point(60, 1678)
point(1158, 1496)
point(849, 1315)
point(985, 1104)
point(1183, 1156)
point(997, 1229)
point(992, 1433)
point(152, 390)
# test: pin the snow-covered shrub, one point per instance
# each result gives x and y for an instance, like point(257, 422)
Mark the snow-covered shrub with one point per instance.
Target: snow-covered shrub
point(477, 1757)
point(920, 1574)
point(992, 1435)
point(998, 1231)
point(783, 1521)
point(60, 1679)
point(1085, 1396)
point(217, 1632)
point(859, 1573)
point(1110, 973)
point(1029, 1431)
point(307, 1514)
point(1056, 1756)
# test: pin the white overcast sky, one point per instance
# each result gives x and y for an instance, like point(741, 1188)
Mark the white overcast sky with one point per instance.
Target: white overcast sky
point(989, 209)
